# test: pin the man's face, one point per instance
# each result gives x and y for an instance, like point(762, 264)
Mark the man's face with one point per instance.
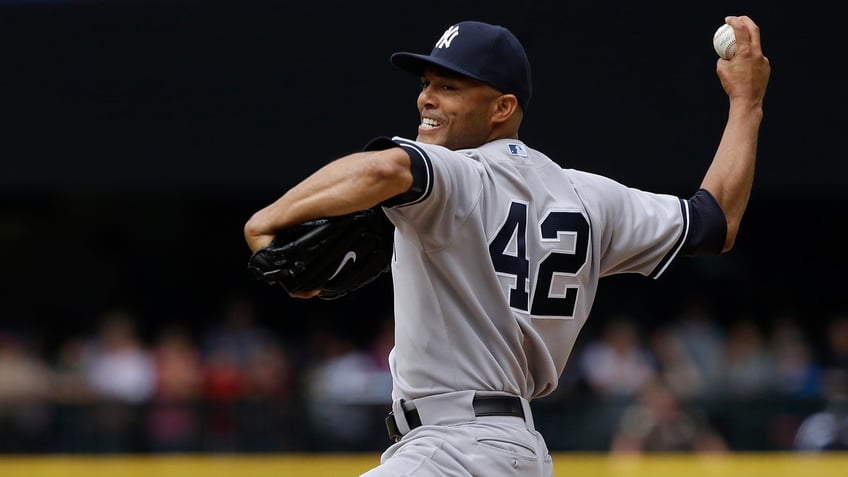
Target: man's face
point(455, 111)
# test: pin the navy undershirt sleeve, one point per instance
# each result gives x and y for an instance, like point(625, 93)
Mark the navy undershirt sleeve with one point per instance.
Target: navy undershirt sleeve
point(707, 226)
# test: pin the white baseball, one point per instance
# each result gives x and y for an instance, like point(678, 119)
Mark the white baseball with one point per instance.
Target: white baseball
point(724, 41)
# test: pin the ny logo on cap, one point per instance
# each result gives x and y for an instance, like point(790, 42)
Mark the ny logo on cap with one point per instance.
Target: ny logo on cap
point(447, 37)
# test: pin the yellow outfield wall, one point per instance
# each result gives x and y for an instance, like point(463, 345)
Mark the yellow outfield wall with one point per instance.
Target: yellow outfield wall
point(334, 465)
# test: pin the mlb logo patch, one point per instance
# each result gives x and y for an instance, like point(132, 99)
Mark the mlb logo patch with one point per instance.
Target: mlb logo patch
point(517, 150)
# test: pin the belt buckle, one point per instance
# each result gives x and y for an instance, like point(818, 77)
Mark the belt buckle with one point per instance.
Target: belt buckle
point(392, 428)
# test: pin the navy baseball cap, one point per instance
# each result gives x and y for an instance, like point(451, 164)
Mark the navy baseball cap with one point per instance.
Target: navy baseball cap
point(489, 53)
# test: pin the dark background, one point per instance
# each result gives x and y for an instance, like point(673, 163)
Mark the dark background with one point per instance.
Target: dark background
point(138, 137)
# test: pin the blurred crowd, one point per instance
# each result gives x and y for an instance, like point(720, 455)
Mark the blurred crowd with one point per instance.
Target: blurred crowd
point(697, 383)
point(239, 386)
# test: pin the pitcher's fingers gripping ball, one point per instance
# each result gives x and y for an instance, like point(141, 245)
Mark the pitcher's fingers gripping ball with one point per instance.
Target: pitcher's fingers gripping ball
point(724, 41)
point(335, 255)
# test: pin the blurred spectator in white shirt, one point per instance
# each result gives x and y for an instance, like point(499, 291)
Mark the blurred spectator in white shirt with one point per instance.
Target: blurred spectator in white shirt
point(120, 373)
point(117, 365)
point(617, 364)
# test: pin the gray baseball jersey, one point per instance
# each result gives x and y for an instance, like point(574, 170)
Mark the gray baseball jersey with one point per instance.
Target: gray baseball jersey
point(498, 253)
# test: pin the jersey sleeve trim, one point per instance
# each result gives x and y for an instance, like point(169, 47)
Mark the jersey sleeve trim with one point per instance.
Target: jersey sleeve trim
point(669, 258)
point(704, 230)
point(420, 165)
point(709, 225)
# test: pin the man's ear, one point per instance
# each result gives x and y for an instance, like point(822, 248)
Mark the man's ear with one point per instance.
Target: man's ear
point(504, 107)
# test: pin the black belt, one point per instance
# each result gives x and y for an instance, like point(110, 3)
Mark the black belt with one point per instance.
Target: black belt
point(483, 406)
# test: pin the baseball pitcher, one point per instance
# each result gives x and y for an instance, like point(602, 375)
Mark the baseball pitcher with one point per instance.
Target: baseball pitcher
point(496, 250)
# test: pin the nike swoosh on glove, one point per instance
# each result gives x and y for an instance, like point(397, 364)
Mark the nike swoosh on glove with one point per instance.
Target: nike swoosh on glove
point(336, 255)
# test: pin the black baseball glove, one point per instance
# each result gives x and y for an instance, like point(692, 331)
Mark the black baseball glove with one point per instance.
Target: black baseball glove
point(335, 254)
